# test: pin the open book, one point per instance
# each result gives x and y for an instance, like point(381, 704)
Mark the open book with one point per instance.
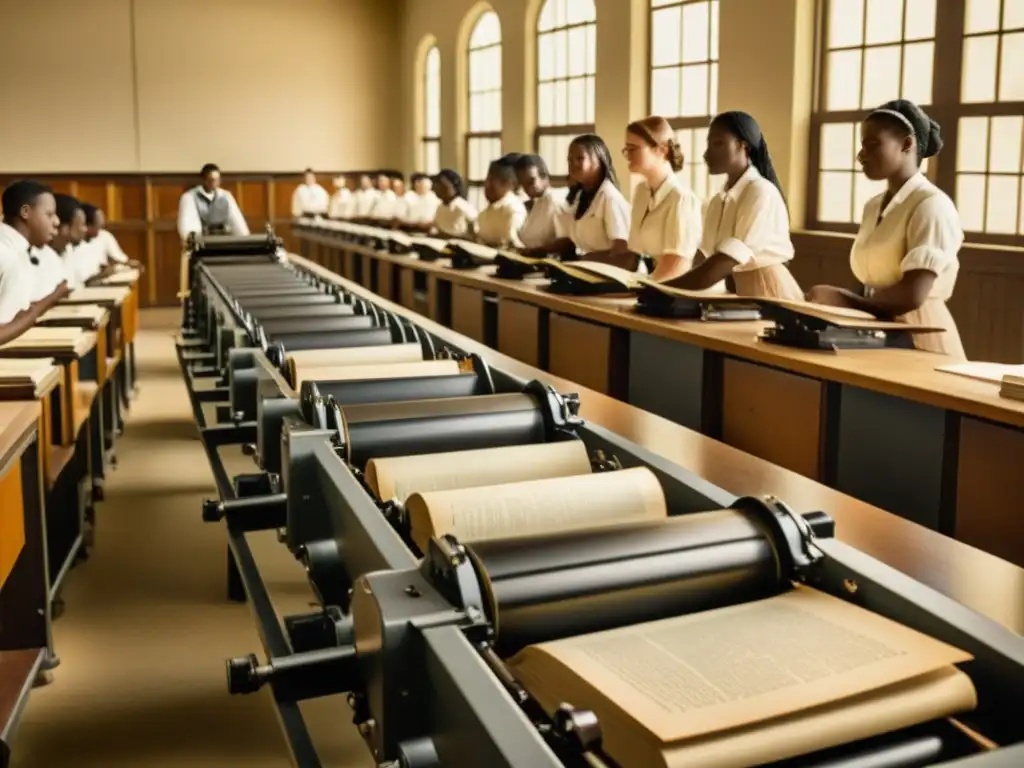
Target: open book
point(401, 476)
point(536, 507)
point(90, 294)
point(124, 277)
point(844, 317)
point(375, 371)
point(749, 684)
point(40, 337)
point(87, 313)
point(595, 273)
point(29, 375)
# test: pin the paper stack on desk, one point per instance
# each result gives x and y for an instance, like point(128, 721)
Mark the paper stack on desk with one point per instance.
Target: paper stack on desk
point(1012, 387)
point(92, 312)
point(1010, 378)
point(126, 277)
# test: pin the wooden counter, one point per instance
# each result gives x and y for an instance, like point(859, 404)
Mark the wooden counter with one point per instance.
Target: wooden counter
point(986, 584)
point(881, 425)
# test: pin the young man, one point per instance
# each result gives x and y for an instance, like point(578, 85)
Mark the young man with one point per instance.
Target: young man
point(384, 209)
point(29, 222)
point(81, 259)
point(208, 209)
point(540, 231)
point(108, 250)
point(309, 198)
point(421, 205)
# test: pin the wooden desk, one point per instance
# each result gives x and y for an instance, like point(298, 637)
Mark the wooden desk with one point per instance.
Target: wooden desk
point(881, 425)
point(25, 636)
point(986, 584)
point(76, 467)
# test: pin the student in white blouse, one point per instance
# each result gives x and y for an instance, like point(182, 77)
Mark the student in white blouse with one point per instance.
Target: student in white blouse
point(499, 223)
point(208, 209)
point(456, 216)
point(309, 198)
point(905, 253)
point(343, 203)
point(386, 206)
point(746, 225)
point(29, 222)
point(421, 205)
point(596, 217)
point(366, 198)
point(540, 232)
point(665, 221)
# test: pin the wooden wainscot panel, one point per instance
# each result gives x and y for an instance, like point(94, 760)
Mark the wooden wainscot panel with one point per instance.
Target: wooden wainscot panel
point(468, 312)
point(127, 201)
point(519, 331)
point(990, 489)
point(407, 287)
point(593, 355)
point(254, 199)
point(284, 188)
point(774, 415)
point(368, 269)
point(166, 196)
point(92, 191)
point(167, 267)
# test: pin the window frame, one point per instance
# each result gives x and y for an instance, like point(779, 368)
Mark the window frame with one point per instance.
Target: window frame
point(676, 122)
point(569, 129)
point(946, 108)
point(427, 139)
point(471, 135)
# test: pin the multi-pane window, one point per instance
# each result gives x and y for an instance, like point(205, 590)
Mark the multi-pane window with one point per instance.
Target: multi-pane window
point(990, 130)
point(965, 66)
point(431, 141)
point(566, 74)
point(483, 141)
point(684, 78)
point(874, 51)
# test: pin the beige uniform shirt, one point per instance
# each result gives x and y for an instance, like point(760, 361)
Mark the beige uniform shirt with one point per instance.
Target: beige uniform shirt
point(666, 221)
point(456, 219)
point(499, 223)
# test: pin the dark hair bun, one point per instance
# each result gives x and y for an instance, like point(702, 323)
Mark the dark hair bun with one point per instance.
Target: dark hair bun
point(674, 155)
point(934, 140)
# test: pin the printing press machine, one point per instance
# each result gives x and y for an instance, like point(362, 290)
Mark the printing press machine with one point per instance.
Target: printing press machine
point(414, 636)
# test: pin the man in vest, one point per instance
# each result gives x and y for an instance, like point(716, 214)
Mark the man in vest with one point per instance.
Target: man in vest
point(207, 209)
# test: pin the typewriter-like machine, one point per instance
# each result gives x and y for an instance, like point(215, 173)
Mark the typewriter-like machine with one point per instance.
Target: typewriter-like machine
point(418, 636)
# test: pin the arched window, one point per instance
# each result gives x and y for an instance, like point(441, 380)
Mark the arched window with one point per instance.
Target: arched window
point(684, 78)
point(566, 73)
point(483, 141)
point(430, 142)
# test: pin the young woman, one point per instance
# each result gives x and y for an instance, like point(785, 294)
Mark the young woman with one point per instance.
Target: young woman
point(746, 225)
point(540, 231)
point(665, 222)
point(596, 218)
point(455, 216)
point(905, 253)
point(499, 223)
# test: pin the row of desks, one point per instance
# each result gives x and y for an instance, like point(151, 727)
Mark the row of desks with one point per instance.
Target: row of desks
point(880, 425)
point(64, 386)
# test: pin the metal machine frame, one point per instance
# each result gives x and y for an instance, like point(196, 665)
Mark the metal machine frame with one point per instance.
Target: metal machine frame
point(447, 705)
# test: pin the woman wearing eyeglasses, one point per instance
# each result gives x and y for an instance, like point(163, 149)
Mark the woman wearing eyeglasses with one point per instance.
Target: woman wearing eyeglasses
point(665, 221)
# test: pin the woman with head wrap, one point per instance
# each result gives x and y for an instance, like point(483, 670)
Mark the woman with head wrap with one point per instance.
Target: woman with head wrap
point(905, 253)
point(746, 225)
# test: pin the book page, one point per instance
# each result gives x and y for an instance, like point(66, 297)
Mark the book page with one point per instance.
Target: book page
point(19, 370)
point(433, 243)
point(692, 676)
point(991, 372)
point(519, 258)
point(820, 309)
point(99, 293)
point(387, 353)
point(127, 277)
point(616, 274)
point(400, 477)
point(537, 507)
point(718, 296)
point(475, 249)
point(92, 312)
point(387, 371)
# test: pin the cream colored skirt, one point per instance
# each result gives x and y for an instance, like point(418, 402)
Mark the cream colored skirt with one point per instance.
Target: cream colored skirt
point(934, 312)
point(772, 282)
